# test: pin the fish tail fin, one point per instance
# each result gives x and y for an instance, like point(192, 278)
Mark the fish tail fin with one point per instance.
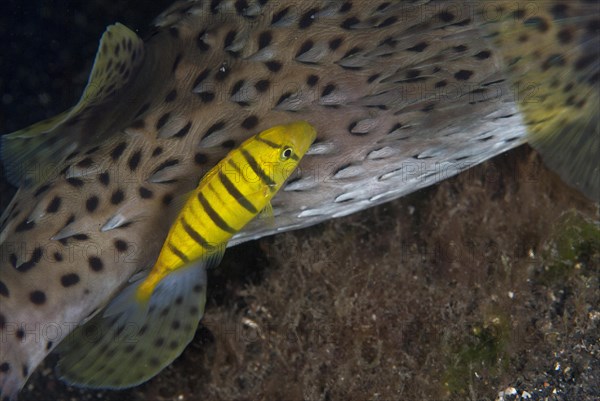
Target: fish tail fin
point(551, 51)
point(131, 342)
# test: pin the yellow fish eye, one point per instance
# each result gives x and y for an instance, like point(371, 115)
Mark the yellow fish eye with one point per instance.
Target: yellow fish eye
point(286, 153)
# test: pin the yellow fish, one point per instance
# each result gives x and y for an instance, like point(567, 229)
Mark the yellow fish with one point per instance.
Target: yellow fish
point(150, 323)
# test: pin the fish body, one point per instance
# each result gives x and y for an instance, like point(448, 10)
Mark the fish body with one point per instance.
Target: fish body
point(401, 94)
point(156, 317)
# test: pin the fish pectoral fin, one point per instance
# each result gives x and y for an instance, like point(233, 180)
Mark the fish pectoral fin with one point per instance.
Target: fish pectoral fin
point(130, 343)
point(36, 153)
point(267, 215)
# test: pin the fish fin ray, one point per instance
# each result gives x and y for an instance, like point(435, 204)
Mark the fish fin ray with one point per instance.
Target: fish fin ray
point(125, 357)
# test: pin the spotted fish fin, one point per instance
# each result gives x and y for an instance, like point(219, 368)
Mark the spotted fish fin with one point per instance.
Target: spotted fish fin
point(125, 352)
point(552, 52)
point(34, 153)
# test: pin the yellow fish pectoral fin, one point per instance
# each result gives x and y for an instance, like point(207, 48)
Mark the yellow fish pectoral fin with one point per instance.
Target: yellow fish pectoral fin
point(119, 350)
point(35, 153)
point(267, 215)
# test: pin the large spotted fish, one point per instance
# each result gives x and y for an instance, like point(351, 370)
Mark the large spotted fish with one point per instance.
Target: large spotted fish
point(402, 95)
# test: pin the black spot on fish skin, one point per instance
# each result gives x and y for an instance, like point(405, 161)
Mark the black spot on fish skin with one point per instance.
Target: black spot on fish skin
point(200, 158)
point(241, 6)
point(49, 345)
point(283, 97)
point(250, 122)
point(58, 257)
point(145, 193)
point(262, 85)
point(166, 164)
point(20, 334)
point(4, 367)
point(347, 6)
point(207, 97)
point(171, 96)
point(388, 21)
point(118, 151)
point(335, 43)
point(24, 226)
point(81, 237)
point(75, 182)
point(446, 16)
point(463, 75)
point(167, 199)
point(70, 279)
point(54, 205)
point(134, 160)
point(279, 15)
point(104, 178)
point(223, 73)
point(163, 120)
point(91, 204)
point(312, 80)
point(228, 144)
point(273, 66)
point(328, 90)
point(157, 151)
point(538, 23)
point(85, 163)
point(4, 289)
point(308, 18)
point(482, 55)
point(37, 297)
point(95, 263)
point(41, 190)
point(349, 23)
point(2, 322)
point(183, 131)
point(306, 46)
point(264, 39)
point(120, 245)
point(229, 38)
point(564, 36)
point(419, 47)
point(36, 256)
point(214, 128)
point(117, 197)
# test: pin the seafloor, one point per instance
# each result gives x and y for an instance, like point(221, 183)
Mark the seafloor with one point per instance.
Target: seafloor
point(484, 287)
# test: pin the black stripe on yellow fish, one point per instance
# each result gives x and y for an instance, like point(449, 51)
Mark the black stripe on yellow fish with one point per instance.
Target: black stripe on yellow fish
point(257, 169)
point(214, 215)
point(235, 194)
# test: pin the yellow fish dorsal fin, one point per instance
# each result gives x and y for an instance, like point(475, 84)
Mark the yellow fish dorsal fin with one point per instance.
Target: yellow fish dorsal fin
point(34, 153)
